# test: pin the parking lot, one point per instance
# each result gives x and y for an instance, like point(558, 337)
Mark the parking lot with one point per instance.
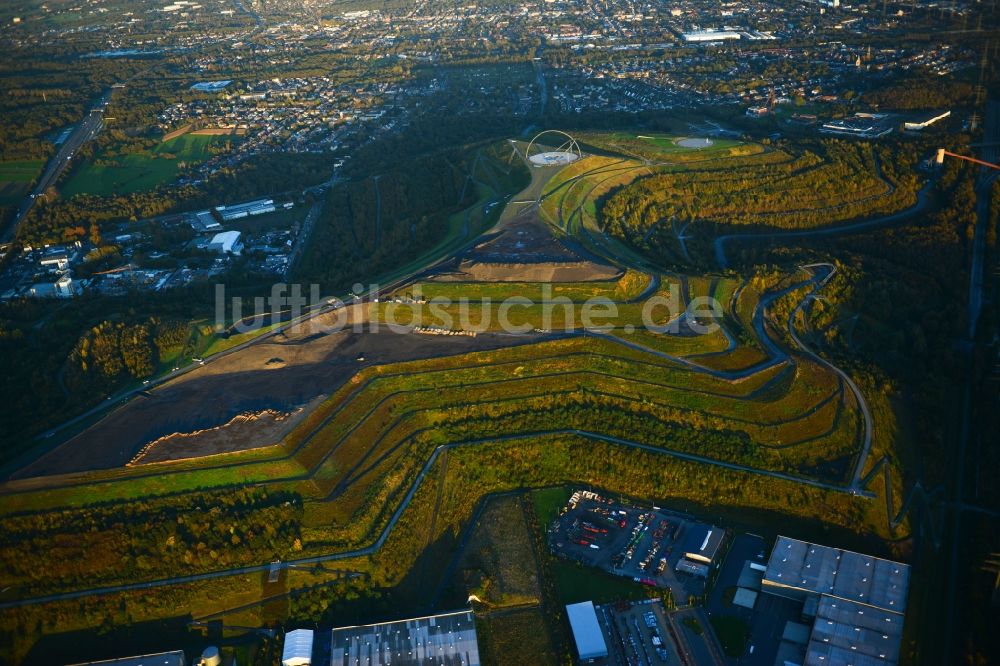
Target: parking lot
point(637, 633)
point(635, 542)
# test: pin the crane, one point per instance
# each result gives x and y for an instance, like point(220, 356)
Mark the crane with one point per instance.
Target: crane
point(942, 152)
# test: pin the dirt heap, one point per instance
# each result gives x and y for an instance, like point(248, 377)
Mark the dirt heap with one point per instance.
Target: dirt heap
point(265, 428)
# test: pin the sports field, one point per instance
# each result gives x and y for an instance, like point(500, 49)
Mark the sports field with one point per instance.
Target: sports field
point(138, 172)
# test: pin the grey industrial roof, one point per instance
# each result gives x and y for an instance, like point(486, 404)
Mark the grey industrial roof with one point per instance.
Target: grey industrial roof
point(703, 541)
point(745, 598)
point(750, 578)
point(796, 632)
point(586, 630)
point(448, 639)
point(840, 573)
point(175, 658)
point(848, 633)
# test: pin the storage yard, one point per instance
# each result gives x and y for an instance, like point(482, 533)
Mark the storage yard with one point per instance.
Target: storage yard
point(629, 633)
point(654, 547)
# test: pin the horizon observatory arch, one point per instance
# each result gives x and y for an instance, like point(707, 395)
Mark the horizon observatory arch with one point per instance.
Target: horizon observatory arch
point(567, 152)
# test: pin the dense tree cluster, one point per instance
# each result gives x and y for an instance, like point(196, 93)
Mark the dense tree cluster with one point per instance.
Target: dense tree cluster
point(375, 224)
point(152, 536)
point(112, 351)
point(838, 182)
point(924, 92)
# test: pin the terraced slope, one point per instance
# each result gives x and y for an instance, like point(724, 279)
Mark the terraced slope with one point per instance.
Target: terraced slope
point(384, 472)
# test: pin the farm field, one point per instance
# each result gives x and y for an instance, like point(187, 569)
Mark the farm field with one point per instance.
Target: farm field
point(16, 179)
point(138, 172)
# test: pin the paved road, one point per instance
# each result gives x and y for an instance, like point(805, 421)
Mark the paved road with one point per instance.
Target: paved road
point(82, 133)
point(859, 468)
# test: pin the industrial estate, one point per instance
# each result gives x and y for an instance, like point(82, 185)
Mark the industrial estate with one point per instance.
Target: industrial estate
point(352, 333)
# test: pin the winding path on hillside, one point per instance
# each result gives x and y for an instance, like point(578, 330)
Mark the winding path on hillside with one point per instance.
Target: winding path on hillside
point(837, 230)
point(819, 276)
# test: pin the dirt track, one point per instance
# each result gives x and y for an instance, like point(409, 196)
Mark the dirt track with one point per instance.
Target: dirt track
point(282, 373)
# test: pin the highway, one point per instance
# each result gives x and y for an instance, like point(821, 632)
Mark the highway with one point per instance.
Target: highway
point(82, 133)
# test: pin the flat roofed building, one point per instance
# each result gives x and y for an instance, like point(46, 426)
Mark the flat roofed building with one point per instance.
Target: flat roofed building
point(206, 221)
point(750, 576)
point(586, 631)
point(447, 639)
point(226, 242)
point(798, 569)
point(846, 632)
point(175, 658)
point(745, 598)
point(703, 543)
point(239, 211)
point(687, 566)
point(298, 648)
point(796, 632)
point(57, 260)
point(709, 35)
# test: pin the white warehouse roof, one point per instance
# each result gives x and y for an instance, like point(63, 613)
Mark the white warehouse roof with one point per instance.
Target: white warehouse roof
point(226, 241)
point(298, 648)
point(710, 35)
point(586, 631)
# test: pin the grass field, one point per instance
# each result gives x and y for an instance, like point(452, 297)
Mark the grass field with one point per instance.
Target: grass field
point(498, 565)
point(548, 502)
point(733, 634)
point(576, 583)
point(138, 172)
point(505, 639)
point(16, 179)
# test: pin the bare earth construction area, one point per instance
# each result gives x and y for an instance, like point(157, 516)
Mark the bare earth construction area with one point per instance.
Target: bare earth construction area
point(210, 398)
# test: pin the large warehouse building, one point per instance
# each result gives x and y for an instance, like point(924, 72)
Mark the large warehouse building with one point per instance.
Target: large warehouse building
point(857, 601)
point(298, 648)
point(448, 638)
point(247, 209)
point(587, 635)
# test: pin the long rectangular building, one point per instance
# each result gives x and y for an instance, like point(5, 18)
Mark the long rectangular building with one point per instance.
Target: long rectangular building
point(448, 639)
point(797, 569)
point(709, 35)
point(247, 209)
